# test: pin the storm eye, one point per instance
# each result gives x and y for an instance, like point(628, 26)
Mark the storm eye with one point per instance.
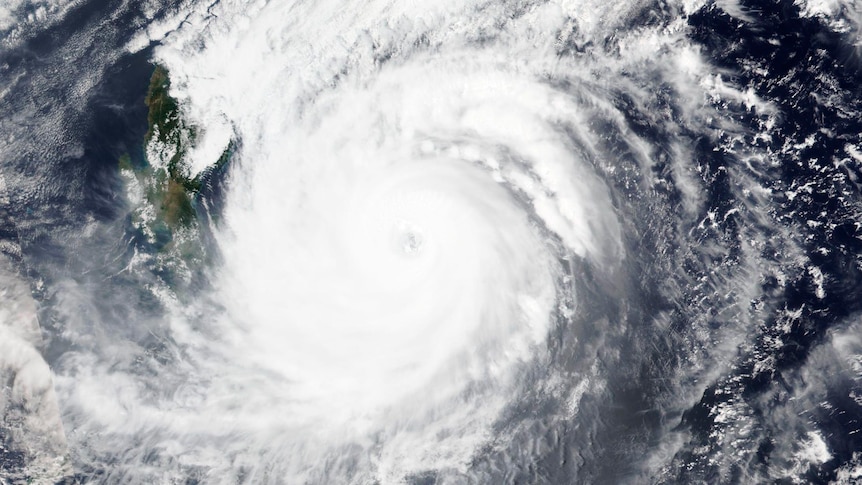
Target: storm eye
point(411, 243)
point(408, 239)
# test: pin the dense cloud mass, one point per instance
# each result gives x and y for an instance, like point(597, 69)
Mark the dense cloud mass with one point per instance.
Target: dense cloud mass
point(388, 241)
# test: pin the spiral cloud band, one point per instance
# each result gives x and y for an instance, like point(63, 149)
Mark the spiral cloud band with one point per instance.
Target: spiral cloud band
point(395, 237)
point(418, 217)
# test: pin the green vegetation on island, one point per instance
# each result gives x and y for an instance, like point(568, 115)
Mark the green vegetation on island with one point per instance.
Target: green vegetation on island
point(163, 192)
point(169, 136)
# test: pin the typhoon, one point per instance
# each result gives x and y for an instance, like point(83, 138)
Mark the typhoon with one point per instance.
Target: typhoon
point(450, 242)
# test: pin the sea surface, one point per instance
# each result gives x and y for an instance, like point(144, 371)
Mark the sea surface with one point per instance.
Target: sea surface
point(449, 242)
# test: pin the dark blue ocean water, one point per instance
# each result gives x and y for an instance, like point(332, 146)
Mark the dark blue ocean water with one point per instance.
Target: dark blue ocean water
point(76, 105)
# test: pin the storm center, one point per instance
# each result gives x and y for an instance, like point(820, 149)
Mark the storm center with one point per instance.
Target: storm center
point(408, 239)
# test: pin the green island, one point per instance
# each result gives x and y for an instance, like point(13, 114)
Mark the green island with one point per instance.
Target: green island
point(160, 187)
point(174, 189)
